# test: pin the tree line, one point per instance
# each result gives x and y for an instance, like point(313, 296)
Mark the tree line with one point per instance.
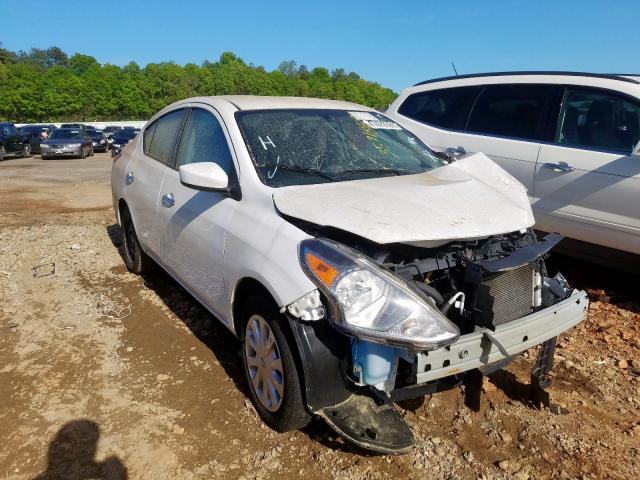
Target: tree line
point(47, 85)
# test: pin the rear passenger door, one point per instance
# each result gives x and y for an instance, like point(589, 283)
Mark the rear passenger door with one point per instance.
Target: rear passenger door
point(145, 172)
point(587, 182)
point(192, 223)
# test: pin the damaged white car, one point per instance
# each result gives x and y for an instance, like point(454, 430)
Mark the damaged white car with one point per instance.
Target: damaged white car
point(357, 266)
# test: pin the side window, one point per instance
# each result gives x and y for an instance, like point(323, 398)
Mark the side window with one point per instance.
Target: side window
point(164, 136)
point(147, 137)
point(203, 141)
point(11, 130)
point(598, 119)
point(511, 111)
point(447, 108)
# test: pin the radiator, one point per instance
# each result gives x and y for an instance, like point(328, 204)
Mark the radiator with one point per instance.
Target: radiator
point(506, 296)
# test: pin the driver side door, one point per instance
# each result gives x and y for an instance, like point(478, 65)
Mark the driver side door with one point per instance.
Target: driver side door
point(192, 223)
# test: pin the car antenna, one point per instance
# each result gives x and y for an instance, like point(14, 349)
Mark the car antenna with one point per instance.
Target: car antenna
point(454, 69)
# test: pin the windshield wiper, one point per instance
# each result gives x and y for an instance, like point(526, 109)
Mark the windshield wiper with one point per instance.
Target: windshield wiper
point(294, 168)
point(374, 170)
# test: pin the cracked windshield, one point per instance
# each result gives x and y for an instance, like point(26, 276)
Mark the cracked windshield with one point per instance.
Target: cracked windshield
point(295, 147)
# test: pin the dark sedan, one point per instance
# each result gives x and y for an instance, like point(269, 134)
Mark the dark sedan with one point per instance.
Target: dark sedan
point(98, 139)
point(36, 134)
point(67, 142)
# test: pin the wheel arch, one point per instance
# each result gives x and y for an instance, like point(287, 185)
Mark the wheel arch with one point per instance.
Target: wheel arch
point(316, 349)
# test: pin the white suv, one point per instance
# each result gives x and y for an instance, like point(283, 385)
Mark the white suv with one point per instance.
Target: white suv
point(354, 265)
point(571, 138)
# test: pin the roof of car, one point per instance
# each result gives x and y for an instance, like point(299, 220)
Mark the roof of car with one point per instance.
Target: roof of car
point(253, 102)
point(626, 77)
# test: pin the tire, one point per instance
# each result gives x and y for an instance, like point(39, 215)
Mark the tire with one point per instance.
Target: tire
point(83, 153)
point(92, 152)
point(134, 257)
point(282, 412)
point(1, 153)
point(26, 151)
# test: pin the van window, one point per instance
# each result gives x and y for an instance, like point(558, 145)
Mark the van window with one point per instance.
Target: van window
point(598, 119)
point(203, 141)
point(511, 111)
point(446, 108)
point(164, 136)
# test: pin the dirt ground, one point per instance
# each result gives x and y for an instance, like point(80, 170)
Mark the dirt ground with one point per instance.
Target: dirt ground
point(104, 374)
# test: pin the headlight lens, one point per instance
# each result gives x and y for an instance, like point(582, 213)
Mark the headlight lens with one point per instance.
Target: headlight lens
point(370, 302)
point(74, 145)
point(102, 142)
point(44, 145)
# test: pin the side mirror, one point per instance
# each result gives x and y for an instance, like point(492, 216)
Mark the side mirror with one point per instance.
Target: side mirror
point(204, 176)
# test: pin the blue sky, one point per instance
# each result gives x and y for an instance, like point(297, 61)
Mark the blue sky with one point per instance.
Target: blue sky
point(394, 43)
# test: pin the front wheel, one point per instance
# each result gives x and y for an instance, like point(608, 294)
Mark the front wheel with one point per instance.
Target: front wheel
point(274, 381)
point(1, 153)
point(83, 153)
point(26, 150)
point(91, 152)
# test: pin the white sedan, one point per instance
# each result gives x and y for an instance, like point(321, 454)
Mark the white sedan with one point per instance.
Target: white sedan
point(355, 266)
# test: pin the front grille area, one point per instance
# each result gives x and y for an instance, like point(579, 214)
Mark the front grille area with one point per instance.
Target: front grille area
point(505, 297)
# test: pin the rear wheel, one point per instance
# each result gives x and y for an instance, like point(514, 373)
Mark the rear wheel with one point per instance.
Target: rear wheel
point(134, 257)
point(274, 381)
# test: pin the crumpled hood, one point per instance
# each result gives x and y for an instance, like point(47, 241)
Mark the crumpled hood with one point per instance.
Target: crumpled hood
point(468, 199)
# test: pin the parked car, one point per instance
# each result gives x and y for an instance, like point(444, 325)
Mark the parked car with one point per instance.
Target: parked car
point(354, 265)
point(98, 139)
point(120, 138)
point(35, 134)
point(67, 142)
point(571, 138)
point(13, 143)
point(108, 132)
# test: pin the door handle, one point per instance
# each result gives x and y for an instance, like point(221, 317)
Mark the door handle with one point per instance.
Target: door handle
point(559, 167)
point(168, 200)
point(129, 178)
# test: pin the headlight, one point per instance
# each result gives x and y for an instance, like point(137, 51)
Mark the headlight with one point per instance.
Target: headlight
point(74, 145)
point(371, 303)
point(117, 145)
point(44, 145)
point(102, 142)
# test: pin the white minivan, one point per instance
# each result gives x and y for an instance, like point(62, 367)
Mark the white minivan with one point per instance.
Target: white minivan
point(356, 267)
point(571, 138)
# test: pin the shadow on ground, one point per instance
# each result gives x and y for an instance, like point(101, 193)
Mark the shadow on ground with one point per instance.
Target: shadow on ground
point(72, 452)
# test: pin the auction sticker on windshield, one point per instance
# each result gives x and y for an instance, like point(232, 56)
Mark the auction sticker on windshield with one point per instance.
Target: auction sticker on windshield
point(373, 122)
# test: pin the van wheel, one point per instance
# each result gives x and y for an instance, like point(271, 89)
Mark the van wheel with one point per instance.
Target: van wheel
point(134, 257)
point(1, 153)
point(271, 372)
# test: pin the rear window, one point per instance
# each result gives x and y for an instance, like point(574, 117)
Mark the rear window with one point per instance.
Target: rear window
point(446, 108)
point(164, 134)
point(512, 111)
